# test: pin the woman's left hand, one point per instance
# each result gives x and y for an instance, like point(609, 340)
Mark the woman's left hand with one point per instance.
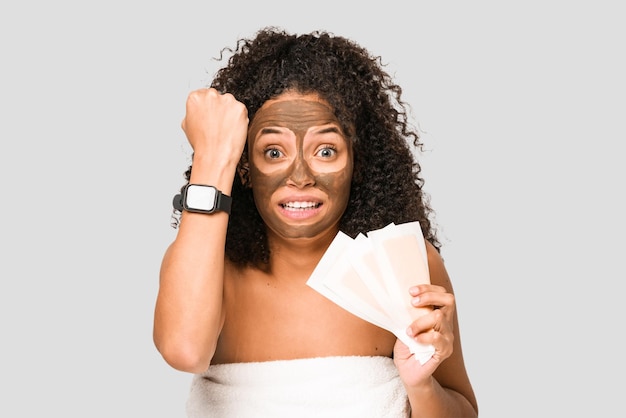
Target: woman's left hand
point(435, 328)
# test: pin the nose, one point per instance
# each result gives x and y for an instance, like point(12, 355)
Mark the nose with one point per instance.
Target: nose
point(300, 174)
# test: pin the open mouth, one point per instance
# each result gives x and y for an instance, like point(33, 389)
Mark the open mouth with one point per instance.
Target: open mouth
point(298, 206)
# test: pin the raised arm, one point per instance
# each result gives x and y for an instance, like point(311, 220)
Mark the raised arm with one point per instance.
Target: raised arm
point(188, 314)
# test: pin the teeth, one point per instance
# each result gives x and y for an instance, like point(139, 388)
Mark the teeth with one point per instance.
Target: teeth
point(300, 205)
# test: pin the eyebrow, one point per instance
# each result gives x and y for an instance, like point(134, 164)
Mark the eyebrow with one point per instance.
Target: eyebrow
point(330, 129)
point(269, 131)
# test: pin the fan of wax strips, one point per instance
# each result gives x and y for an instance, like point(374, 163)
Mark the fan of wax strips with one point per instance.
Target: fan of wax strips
point(370, 276)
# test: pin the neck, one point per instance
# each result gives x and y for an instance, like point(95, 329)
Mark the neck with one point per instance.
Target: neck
point(296, 259)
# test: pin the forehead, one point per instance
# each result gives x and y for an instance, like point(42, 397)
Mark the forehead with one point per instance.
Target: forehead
point(294, 95)
point(295, 110)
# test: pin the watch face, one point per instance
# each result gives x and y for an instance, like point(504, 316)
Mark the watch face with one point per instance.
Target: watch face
point(200, 197)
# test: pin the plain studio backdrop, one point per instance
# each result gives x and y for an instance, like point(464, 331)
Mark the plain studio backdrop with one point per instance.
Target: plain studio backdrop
point(521, 106)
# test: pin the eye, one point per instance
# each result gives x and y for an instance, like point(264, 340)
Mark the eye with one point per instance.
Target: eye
point(273, 153)
point(327, 152)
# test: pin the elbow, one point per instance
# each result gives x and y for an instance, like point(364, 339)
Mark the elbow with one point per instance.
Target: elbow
point(184, 356)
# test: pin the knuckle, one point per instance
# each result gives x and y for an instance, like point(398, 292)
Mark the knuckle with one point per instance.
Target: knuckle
point(438, 315)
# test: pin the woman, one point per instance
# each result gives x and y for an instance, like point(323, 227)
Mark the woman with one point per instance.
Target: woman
point(300, 136)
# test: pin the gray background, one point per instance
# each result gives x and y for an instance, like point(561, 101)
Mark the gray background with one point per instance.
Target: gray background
point(521, 106)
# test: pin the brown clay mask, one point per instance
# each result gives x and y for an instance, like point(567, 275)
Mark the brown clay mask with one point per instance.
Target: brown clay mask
point(300, 161)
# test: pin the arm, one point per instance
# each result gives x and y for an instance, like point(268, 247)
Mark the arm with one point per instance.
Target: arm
point(188, 314)
point(440, 387)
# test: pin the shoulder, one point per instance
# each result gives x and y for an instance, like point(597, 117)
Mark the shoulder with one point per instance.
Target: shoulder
point(436, 267)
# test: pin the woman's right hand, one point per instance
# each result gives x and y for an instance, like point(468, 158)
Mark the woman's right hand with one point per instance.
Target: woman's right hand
point(215, 123)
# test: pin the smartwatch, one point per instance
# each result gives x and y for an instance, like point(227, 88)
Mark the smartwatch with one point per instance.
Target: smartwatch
point(200, 198)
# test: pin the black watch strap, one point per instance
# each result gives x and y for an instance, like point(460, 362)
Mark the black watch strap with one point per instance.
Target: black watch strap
point(224, 202)
point(178, 202)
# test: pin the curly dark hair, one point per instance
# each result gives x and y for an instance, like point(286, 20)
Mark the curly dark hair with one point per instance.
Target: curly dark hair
point(386, 185)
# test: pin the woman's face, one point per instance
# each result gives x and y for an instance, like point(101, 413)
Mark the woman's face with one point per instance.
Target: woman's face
point(300, 165)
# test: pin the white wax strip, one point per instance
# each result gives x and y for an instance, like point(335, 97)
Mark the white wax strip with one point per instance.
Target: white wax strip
point(324, 267)
point(401, 254)
point(361, 256)
point(356, 297)
point(421, 352)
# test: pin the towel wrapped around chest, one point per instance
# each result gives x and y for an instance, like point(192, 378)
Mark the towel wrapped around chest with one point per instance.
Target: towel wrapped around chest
point(347, 386)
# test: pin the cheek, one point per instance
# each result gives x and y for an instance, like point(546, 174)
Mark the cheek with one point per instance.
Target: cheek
point(264, 184)
point(336, 184)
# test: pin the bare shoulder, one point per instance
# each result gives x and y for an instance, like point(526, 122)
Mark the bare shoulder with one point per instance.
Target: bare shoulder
point(436, 267)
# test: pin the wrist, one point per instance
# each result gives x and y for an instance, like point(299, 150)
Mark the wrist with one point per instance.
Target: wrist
point(211, 170)
point(424, 388)
point(212, 158)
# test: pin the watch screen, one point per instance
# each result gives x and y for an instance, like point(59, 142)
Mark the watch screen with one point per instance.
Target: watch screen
point(201, 197)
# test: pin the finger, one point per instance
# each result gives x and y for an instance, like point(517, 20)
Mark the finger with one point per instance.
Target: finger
point(423, 288)
point(436, 319)
point(435, 299)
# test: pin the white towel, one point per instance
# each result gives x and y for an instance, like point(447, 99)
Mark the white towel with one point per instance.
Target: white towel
point(351, 386)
